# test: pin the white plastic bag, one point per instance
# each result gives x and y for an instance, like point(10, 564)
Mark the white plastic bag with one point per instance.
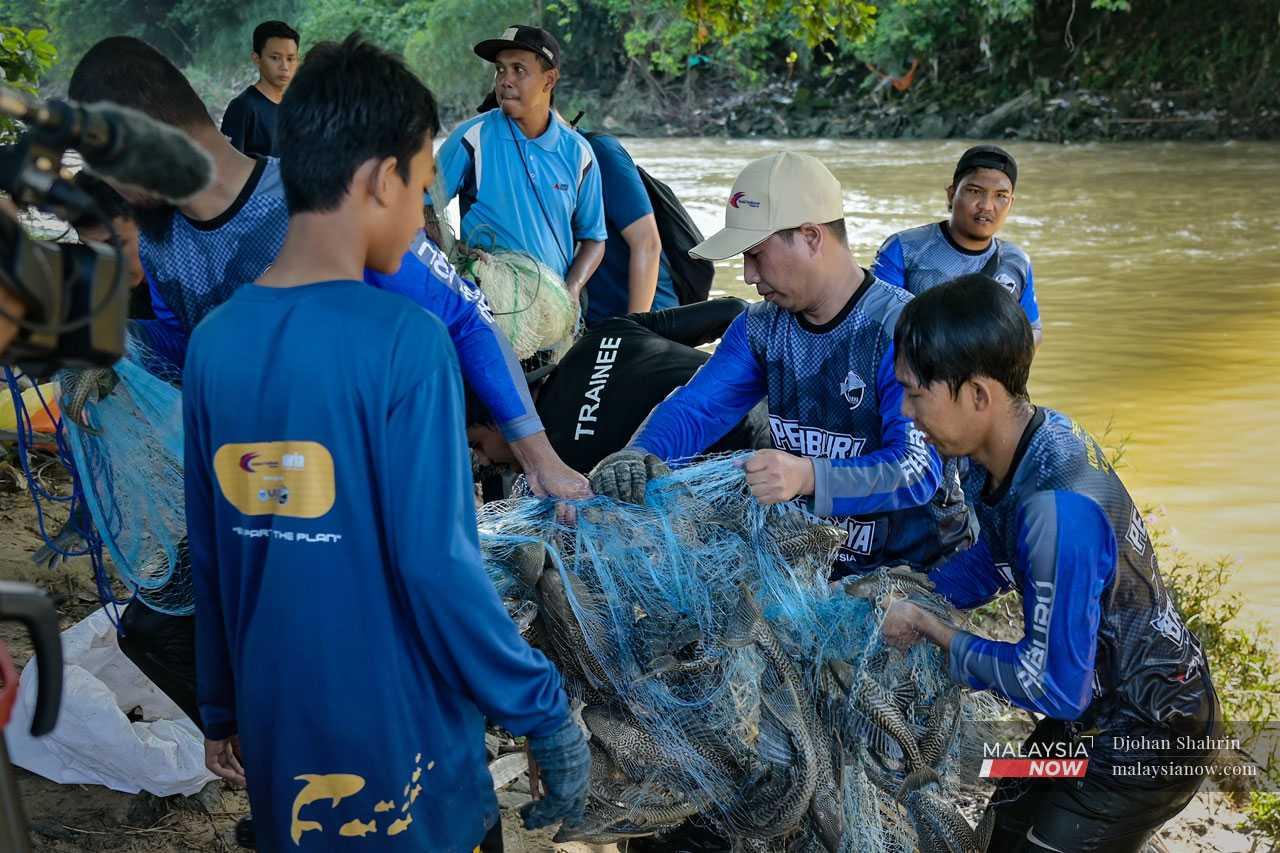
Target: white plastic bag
point(94, 743)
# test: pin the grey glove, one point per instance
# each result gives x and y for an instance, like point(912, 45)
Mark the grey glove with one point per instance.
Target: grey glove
point(623, 475)
point(565, 763)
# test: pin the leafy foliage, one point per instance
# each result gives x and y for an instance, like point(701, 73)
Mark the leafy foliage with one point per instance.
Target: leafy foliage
point(25, 55)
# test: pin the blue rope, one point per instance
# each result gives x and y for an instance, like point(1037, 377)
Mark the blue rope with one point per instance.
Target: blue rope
point(39, 494)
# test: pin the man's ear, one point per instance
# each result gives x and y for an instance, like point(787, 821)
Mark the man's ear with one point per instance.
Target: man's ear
point(813, 236)
point(951, 196)
point(553, 77)
point(979, 390)
point(381, 174)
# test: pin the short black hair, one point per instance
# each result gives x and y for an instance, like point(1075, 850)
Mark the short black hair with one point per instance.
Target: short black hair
point(272, 30)
point(110, 203)
point(477, 413)
point(969, 326)
point(351, 102)
point(132, 73)
point(835, 226)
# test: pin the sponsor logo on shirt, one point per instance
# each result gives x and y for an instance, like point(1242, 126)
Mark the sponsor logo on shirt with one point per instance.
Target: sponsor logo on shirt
point(1008, 282)
point(740, 200)
point(853, 389)
point(1032, 670)
point(274, 478)
point(1169, 625)
point(560, 186)
point(1137, 535)
point(811, 441)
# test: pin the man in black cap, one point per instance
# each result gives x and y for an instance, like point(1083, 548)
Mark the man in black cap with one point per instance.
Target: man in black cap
point(525, 180)
point(979, 198)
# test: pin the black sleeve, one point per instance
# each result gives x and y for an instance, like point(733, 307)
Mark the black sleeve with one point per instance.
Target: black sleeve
point(235, 123)
point(693, 325)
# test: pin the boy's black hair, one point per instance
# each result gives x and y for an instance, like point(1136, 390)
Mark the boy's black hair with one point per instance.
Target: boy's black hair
point(110, 203)
point(134, 74)
point(477, 413)
point(272, 30)
point(969, 326)
point(350, 103)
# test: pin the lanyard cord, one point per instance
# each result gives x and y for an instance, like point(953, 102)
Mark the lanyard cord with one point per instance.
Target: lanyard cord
point(534, 187)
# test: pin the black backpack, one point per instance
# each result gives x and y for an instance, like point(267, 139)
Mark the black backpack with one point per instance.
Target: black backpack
point(691, 277)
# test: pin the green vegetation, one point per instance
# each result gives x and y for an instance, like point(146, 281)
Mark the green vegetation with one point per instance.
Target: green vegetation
point(647, 63)
point(25, 55)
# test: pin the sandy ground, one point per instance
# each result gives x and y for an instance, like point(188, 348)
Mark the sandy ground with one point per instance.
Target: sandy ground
point(76, 818)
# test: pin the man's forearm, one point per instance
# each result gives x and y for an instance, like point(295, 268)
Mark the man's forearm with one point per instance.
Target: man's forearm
point(588, 257)
point(643, 276)
point(533, 450)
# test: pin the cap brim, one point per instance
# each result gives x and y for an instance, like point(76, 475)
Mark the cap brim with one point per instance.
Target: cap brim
point(728, 243)
point(489, 49)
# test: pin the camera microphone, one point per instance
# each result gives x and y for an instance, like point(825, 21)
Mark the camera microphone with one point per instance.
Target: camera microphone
point(118, 143)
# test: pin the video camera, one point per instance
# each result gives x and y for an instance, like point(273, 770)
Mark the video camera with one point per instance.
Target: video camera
point(75, 297)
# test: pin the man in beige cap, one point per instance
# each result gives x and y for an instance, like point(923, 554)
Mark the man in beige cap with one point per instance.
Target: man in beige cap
point(820, 348)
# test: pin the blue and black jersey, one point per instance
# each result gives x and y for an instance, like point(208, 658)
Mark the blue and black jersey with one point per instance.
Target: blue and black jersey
point(832, 397)
point(193, 267)
point(920, 258)
point(1104, 643)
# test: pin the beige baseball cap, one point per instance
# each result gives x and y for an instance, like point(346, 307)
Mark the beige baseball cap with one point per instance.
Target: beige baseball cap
point(770, 195)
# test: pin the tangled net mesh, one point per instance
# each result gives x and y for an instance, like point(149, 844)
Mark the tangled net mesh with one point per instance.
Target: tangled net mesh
point(128, 458)
point(770, 730)
point(529, 301)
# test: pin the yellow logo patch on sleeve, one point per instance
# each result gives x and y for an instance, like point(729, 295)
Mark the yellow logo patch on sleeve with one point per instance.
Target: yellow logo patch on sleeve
point(294, 479)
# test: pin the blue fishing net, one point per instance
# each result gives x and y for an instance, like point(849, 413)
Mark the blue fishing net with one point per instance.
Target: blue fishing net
point(723, 678)
point(120, 439)
point(128, 459)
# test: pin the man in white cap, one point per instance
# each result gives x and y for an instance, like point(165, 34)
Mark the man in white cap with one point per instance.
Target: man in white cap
point(820, 348)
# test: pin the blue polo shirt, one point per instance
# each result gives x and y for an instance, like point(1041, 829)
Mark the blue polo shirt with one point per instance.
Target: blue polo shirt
point(625, 201)
point(495, 171)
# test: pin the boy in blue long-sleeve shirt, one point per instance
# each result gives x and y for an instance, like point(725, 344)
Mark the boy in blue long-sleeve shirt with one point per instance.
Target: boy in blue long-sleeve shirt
point(820, 349)
point(1105, 652)
point(349, 643)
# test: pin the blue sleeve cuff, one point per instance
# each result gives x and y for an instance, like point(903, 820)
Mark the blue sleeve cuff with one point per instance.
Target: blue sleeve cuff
point(822, 500)
point(521, 427)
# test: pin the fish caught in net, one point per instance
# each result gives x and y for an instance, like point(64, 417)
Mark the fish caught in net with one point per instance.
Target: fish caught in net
point(722, 676)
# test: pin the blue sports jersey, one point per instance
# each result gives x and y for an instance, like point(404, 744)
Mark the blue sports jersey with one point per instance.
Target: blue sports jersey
point(196, 266)
point(346, 628)
point(1104, 643)
point(625, 201)
point(537, 196)
point(833, 397)
point(427, 278)
point(920, 258)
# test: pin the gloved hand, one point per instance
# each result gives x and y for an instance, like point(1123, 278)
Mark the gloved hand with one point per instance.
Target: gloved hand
point(623, 475)
point(564, 762)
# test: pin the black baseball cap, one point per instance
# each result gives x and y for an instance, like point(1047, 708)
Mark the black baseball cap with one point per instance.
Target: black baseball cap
point(521, 37)
point(986, 157)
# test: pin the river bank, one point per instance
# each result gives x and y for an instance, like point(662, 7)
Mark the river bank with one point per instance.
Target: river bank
point(1044, 112)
